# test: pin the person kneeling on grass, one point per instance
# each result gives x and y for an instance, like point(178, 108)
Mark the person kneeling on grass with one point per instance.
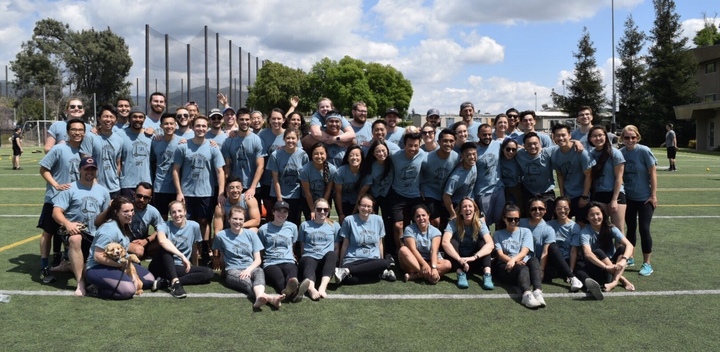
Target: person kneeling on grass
point(318, 246)
point(515, 263)
point(468, 244)
point(361, 253)
point(179, 240)
point(237, 251)
point(419, 257)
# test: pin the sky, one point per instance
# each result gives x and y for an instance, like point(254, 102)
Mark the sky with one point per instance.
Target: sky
point(495, 53)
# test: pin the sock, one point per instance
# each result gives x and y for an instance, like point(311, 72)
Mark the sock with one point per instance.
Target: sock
point(44, 263)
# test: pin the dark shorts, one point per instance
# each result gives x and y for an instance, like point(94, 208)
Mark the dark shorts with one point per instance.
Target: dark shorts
point(580, 214)
point(46, 221)
point(17, 151)
point(85, 245)
point(437, 208)
point(162, 201)
point(262, 193)
point(402, 206)
point(671, 152)
point(606, 197)
point(128, 192)
point(199, 207)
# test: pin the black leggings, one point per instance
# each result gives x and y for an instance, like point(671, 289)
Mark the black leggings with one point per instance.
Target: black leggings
point(522, 275)
point(556, 265)
point(476, 265)
point(644, 212)
point(365, 271)
point(277, 276)
point(309, 266)
point(163, 265)
point(585, 269)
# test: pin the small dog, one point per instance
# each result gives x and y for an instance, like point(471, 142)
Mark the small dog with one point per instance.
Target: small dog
point(116, 252)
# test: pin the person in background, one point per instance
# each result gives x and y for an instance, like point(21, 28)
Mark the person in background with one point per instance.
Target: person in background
point(394, 132)
point(257, 120)
point(501, 128)
point(428, 136)
point(671, 146)
point(16, 140)
point(57, 133)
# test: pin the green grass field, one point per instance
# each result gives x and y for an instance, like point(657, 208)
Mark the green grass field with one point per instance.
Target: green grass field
point(674, 309)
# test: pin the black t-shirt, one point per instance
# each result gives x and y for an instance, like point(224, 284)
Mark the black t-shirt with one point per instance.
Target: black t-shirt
point(15, 137)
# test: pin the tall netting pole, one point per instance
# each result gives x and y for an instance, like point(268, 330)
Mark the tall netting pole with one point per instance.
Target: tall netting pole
point(147, 65)
point(167, 72)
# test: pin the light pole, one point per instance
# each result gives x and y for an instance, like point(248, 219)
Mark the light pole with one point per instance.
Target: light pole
point(536, 101)
point(612, 10)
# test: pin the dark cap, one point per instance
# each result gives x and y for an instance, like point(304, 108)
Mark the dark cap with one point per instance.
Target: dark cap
point(433, 112)
point(136, 110)
point(214, 112)
point(281, 205)
point(229, 108)
point(87, 162)
point(467, 104)
point(392, 111)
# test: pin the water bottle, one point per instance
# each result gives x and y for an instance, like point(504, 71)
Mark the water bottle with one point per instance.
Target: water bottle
point(4, 298)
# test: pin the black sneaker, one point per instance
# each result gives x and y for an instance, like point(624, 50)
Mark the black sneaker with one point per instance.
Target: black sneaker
point(390, 258)
point(158, 284)
point(46, 275)
point(57, 259)
point(177, 290)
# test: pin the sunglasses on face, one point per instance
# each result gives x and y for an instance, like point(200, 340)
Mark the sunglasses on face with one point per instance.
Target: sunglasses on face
point(513, 117)
point(142, 197)
point(322, 210)
point(512, 219)
point(511, 150)
point(629, 138)
point(73, 107)
point(427, 133)
point(216, 118)
point(533, 209)
point(184, 116)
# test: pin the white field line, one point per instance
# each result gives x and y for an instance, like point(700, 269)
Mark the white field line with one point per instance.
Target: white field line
point(385, 297)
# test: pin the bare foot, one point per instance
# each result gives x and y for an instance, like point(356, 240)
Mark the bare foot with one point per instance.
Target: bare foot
point(276, 300)
point(260, 301)
point(80, 289)
point(314, 294)
point(406, 278)
point(627, 284)
point(322, 294)
point(63, 267)
point(610, 286)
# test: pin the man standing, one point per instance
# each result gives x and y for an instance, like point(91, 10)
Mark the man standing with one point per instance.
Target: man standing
point(59, 168)
point(197, 170)
point(433, 117)
point(123, 110)
point(243, 154)
point(135, 156)
point(489, 192)
point(162, 153)
point(467, 112)
point(435, 170)
point(528, 119)
point(671, 145)
point(157, 108)
point(584, 123)
point(363, 130)
point(106, 147)
point(16, 140)
point(216, 122)
point(405, 189)
point(573, 170)
point(182, 116)
point(379, 131)
point(536, 167)
point(394, 133)
point(79, 206)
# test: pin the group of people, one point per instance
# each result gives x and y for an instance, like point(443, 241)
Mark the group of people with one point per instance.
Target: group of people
point(223, 193)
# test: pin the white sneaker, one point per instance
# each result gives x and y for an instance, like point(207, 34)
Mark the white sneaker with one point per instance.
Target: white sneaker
point(341, 274)
point(529, 300)
point(539, 297)
point(575, 284)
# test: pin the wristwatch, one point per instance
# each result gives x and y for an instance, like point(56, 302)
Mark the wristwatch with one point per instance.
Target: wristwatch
point(585, 197)
point(337, 138)
point(433, 266)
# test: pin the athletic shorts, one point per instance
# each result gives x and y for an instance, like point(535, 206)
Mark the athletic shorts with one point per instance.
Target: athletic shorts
point(162, 201)
point(46, 221)
point(606, 197)
point(437, 208)
point(671, 152)
point(199, 207)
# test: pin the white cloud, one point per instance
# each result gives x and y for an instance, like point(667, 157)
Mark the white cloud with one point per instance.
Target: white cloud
point(401, 18)
point(691, 26)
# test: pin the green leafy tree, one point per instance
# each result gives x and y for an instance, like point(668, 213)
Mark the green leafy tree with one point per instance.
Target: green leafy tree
point(631, 77)
point(709, 35)
point(389, 88)
point(586, 88)
point(671, 75)
point(275, 84)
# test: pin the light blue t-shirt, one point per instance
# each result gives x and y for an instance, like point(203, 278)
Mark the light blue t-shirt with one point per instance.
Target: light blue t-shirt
point(363, 237)
point(473, 132)
point(392, 148)
point(135, 158)
point(58, 130)
point(184, 238)
point(316, 179)
point(487, 168)
point(270, 143)
point(63, 162)
point(348, 180)
point(335, 154)
point(545, 140)
point(435, 171)
point(318, 239)
point(605, 182)
point(581, 137)
point(198, 165)
point(510, 172)
point(542, 234)
point(363, 134)
point(288, 167)
point(396, 136)
point(636, 178)
point(218, 138)
point(423, 240)
point(588, 237)
point(537, 170)
point(106, 150)
point(379, 184)
point(406, 176)
point(83, 204)
point(317, 120)
point(512, 243)
point(241, 154)
point(461, 183)
point(572, 166)
point(467, 245)
point(238, 250)
point(228, 205)
point(142, 219)
point(566, 236)
point(155, 125)
point(162, 156)
point(107, 233)
point(187, 135)
point(278, 242)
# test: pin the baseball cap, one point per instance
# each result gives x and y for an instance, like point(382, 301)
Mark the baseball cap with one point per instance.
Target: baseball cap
point(392, 111)
point(87, 162)
point(214, 112)
point(281, 205)
point(433, 112)
point(136, 110)
point(228, 109)
point(466, 104)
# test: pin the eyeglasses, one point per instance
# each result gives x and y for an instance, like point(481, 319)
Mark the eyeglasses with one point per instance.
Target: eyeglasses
point(511, 150)
point(512, 116)
point(73, 107)
point(361, 111)
point(537, 209)
point(629, 138)
point(184, 116)
point(142, 197)
point(512, 219)
point(322, 210)
point(216, 117)
point(427, 133)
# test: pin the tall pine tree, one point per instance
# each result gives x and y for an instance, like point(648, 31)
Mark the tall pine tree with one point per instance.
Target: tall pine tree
point(630, 77)
point(586, 88)
point(671, 75)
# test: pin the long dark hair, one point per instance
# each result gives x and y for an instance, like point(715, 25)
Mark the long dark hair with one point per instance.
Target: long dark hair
point(345, 161)
point(326, 168)
point(606, 152)
point(605, 235)
point(115, 207)
point(369, 160)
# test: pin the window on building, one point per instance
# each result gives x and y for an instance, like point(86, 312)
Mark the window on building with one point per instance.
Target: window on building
point(710, 68)
point(710, 97)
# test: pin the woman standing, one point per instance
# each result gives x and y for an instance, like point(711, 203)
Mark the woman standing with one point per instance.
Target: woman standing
point(347, 182)
point(272, 138)
point(501, 127)
point(419, 257)
point(461, 134)
point(607, 176)
point(316, 179)
point(106, 274)
point(285, 165)
point(178, 238)
point(361, 253)
point(640, 178)
point(515, 263)
point(428, 137)
point(468, 244)
point(318, 247)
point(510, 172)
point(238, 251)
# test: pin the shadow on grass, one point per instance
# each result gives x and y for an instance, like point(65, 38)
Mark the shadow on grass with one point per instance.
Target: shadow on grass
point(29, 265)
